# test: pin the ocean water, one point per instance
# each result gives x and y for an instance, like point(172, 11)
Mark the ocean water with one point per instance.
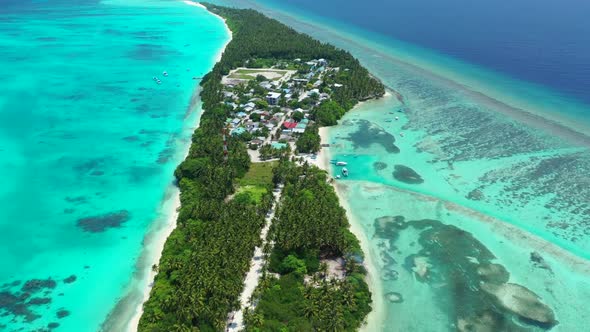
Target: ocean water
point(88, 145)
point(470, 181)
point(540, 41)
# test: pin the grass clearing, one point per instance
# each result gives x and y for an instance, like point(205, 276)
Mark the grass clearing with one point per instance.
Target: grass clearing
point(250, 74)
point(257, 179)
point(259, 174)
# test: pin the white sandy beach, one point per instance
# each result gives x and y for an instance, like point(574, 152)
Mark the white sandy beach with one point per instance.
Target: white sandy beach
point(153, 248)
point(375, 319)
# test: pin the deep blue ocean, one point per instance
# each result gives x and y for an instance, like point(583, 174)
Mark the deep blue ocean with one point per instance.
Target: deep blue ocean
point(540, 41)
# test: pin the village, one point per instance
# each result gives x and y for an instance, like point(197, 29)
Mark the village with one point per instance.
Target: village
point(271, 108)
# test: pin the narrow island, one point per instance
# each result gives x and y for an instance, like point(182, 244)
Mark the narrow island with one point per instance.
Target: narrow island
point(262, 243)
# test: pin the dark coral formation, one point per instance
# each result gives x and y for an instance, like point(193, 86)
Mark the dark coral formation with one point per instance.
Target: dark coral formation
point(379, 166)
point(21, 304)
point(36, 285)
point(18, 303)
point(101, 223)
point(14, 304)
point(369, 133)
point(407, 175)
point(539, 262)
point(476, 195)
point(39, 301)
point(70, 279)
point(462, 272)
point(61, 313)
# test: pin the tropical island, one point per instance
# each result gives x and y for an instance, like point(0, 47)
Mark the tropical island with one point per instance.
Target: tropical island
point(252, 205)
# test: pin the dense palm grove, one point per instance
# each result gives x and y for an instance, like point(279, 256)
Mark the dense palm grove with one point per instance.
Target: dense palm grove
point(200, 274)
point(310, 225)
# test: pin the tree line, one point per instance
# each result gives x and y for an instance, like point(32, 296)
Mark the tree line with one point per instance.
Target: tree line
point(309, 226)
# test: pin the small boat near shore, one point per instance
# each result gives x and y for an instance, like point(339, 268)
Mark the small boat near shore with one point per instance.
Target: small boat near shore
point(341, 163)
point(344, 172)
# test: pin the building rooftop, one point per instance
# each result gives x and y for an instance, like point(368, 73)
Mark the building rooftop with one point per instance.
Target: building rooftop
point(278, 145)
point(238, 131)
point(289, 124)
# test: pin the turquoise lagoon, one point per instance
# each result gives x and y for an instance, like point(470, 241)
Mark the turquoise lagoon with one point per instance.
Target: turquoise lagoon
point(88, 145)
point(476, 194)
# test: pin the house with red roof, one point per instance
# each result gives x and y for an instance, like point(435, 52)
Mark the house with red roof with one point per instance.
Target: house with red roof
point(289, 124)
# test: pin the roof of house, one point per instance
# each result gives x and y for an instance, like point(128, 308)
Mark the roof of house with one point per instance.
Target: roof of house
point(302, 124)
point(238, 131)
point(289, 124)
point(278, 145)
point(273, 95)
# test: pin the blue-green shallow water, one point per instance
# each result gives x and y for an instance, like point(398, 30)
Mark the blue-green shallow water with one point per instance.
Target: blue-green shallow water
point(88, 145)
point(498, 168)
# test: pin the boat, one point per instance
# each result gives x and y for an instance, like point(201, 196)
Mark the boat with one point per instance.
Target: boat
point(338, 176)
point(165, 73)
point(341, 163)
point(344, 171)
point(154, 78)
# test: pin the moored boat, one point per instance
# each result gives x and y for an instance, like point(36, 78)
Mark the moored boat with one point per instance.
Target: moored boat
point(344, 171)
point(341, 163)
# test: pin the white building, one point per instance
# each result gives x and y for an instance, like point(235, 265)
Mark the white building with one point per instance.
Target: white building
point(273, 98)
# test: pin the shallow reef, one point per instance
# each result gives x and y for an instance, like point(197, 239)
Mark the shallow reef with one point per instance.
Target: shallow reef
point(467, 282)
point(407, 175)
point(97, 224)
point(27, 303)
point(369, 133)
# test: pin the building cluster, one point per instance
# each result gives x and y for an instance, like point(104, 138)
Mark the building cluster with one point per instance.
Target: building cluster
point(276, 111)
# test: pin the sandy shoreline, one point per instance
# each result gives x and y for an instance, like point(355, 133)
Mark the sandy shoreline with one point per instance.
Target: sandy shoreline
point(157, 246)
point(375, 319)
point(121, 318)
